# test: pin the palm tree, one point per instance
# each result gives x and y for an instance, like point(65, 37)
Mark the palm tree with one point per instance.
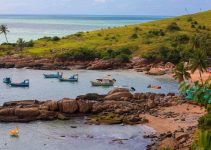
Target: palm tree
point(199, 62)
point(20, 44)
point(181, 73)
point(4, 30)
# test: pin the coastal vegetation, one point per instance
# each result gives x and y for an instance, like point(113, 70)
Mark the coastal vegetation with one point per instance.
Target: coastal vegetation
point(166, 40)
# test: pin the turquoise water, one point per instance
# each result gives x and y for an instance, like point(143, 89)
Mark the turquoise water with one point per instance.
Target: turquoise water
point(35, 26)
point(45, 89)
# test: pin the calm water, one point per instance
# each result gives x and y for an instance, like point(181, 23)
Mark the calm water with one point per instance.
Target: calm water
point(35, 26)
point(44, 89)
point(58, 135)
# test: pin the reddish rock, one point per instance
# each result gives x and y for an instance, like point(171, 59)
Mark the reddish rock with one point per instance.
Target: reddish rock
point(27, 112)
point(68, 105)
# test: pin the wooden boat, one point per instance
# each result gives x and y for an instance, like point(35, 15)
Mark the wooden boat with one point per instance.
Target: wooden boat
point(73, 78)
point(7, 80)
point(14, 132)
point(154, 86)
point(57, 75)
point(107, 81)
point(25, 83)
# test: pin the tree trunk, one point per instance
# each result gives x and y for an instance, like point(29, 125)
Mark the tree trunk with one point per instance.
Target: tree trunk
point(202, 82)
point(6, 38)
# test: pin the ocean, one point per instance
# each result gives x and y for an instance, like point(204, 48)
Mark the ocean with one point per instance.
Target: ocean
point(36, 26)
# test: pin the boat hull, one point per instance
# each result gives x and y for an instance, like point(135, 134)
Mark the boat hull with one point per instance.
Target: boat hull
point(68, 80)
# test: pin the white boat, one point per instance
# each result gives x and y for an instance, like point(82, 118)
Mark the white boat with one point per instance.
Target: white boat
point(107, 81)
point(130, 88)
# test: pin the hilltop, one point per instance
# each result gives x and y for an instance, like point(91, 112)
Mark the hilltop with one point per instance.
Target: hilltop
point(169, 36)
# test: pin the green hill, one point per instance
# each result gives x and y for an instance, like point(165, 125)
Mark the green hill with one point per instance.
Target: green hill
point(141, 39)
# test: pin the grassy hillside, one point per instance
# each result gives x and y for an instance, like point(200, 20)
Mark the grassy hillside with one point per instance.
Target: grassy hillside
point(139, 39)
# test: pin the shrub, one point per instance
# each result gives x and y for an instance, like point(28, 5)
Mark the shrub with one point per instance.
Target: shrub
point(182, 39)
point(82, 54)
point(189, 19)
point(55, 38)
point(123, 58)
point(193, 26)
point(29, 44)
point(134, 36)
point(173, 27)
point(205, 122)
point(156, 32)
point(199, 27)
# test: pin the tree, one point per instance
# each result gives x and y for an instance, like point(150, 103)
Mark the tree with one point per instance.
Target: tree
point(181, 73)
point(4, 30)
point(199, 62)
point(20, 44)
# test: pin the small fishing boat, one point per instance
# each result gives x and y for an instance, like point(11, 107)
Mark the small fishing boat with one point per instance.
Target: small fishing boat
point(7, 80)
point(25, 83)
point(154, 86)
point(57, 75)
point(107, 81)
point(14, 132)
point(73, 78)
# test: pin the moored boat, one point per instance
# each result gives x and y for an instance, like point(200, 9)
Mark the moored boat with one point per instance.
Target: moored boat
point(57, 75)
point(73, 78)
point(25, 83)
point(107, 81)
point(14, 132)
point(154, 86)
point(7, 80)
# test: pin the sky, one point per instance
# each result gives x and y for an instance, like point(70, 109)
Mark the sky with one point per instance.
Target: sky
point(104, 7)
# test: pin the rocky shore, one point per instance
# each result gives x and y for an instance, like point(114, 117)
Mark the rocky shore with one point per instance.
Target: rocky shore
point(172, 118)
point(140, 65)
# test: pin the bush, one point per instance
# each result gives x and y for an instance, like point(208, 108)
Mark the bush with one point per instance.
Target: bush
point(82, 54)
point(123, 58)
point(55, 38)
point(29, 44)
point(134, 36)
point(173, 27)
point(205, 122)
point(193, 26)
point(156, 32)
point(182, 39)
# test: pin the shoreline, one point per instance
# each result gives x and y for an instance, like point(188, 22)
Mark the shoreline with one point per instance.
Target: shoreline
point(119, 106)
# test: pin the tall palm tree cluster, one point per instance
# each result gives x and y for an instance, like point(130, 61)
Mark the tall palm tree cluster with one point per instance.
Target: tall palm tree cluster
point(4, 30)
point(198, 61)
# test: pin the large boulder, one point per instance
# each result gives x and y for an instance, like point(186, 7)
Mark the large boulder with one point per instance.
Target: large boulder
point(68, 105)
point(84, 106)
point(7, 112)
point(119, 96)
point(118, 90)
point(52, 105)
point(26, 112)
point(156, 71)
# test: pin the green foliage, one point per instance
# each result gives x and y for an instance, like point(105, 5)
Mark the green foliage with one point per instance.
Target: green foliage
point(79, 54)
point(134, 36)
point(55, 38)
point(122, 54)
point(203, 141)
point(200, 92)
point(205, 122)
point(173, 27)
point(156, 33)
point(181, 73)
point(182, 38)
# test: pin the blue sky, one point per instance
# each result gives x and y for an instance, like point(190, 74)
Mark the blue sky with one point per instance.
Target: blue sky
point(104, 7)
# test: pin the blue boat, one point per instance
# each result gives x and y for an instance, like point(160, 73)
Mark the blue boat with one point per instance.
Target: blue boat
point(25, 83)
point(73, 78)
point(7, 80)
point(57, 75)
